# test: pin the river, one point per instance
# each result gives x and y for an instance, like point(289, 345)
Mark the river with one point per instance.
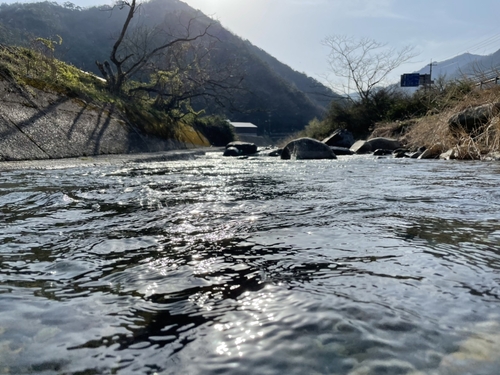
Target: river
point(358, 266)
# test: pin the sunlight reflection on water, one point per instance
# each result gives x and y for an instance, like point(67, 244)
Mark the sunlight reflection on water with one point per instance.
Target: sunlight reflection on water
point(227, 266)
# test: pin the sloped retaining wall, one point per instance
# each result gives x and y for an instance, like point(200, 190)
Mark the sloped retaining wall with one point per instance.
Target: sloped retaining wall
point(35, 124)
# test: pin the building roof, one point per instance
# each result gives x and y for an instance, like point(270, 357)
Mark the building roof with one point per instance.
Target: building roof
point(243, 125)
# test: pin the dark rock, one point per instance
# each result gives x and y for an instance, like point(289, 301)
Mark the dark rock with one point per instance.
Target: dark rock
point(473, 118)
point(340, 138)
point(432, 152)
point(307, 148)
point(384, 143)
point(418, 153)
point(361, 147)
point(415, 155)
point(244, 148)
point(381, 151)
point(341, 150)
point(232, 151)
point(276, 152)
point(400, 153)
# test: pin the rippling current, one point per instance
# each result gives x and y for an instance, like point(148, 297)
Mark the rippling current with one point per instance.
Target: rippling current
point(260, 266)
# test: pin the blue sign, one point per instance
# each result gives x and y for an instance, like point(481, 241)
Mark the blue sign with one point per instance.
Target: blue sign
point(410, 80)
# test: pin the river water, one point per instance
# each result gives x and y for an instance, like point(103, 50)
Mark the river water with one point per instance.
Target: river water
point(215, 265)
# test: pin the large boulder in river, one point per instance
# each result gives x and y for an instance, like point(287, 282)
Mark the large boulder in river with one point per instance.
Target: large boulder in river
point(232, 151)
point(379, 143)
point(307, 148)
point(244, 148)
point(361, 147)
point(340, 138)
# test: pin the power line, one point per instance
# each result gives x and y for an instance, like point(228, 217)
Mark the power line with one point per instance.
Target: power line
point(477, 46)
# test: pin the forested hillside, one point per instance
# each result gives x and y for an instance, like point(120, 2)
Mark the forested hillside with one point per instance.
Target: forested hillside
point(260, 89)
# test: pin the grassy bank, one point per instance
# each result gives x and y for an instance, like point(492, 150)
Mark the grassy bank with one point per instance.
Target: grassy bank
point(435, 129)
point(30, 68)
point(422, 119)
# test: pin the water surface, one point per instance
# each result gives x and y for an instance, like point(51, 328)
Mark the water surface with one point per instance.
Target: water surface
point(228, 266)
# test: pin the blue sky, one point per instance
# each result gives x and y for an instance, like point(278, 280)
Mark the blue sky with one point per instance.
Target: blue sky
point(292, 30)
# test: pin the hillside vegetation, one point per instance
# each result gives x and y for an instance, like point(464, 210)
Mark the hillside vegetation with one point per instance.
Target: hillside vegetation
point(266, 93)
point(34, 70)
point(454, 115)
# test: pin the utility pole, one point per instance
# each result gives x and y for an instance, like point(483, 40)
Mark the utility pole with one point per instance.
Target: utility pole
point(430, 71)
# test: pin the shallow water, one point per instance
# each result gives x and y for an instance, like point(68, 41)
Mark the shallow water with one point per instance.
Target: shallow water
point(228, 266)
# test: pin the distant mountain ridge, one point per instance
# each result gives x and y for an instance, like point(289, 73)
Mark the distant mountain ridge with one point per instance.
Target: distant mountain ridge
point(465, 65)
point(317, 92)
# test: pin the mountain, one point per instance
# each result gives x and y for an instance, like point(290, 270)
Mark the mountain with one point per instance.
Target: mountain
point(316, 91)
point(273, 96)
point(476, 67)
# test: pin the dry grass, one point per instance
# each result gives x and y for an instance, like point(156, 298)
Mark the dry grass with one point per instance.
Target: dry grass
point(433, 131)
point(430, 131)
point(395, 129)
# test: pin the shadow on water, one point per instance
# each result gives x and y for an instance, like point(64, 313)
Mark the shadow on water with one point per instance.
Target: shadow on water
point(476, 243)
point(472, 246)
point(225, 268)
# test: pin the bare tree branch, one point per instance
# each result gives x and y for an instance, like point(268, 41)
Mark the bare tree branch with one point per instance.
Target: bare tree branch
point(364, 62)
point(136, 47)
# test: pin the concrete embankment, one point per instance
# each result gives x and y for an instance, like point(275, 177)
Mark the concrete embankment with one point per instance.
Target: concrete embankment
point(114, 160)
point(36, 124)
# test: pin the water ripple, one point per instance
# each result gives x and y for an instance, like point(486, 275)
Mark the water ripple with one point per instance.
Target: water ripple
point(219, 265)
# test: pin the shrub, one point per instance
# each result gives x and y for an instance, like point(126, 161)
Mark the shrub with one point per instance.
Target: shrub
point(216, 129)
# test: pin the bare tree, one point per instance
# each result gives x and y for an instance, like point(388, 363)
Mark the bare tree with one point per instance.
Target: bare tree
point(134, 49)
point(364, 62)
point(187, 72)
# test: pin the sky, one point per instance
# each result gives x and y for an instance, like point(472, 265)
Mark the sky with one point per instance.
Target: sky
point(293, 30)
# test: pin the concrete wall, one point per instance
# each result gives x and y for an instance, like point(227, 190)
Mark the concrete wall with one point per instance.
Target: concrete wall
point(35, 124)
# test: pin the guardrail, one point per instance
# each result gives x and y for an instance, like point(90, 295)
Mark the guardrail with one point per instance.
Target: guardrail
point(493, 80)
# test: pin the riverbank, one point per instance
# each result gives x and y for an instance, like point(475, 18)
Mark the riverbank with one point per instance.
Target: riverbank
point(456, 119)
point(52, 110)
point(465, 129)
point(110, 159)
point(40, 123)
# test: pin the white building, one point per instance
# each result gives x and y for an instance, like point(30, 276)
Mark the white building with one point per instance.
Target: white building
point(244, 128)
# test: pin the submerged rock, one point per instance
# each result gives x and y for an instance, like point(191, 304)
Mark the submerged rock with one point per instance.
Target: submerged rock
point(400, 153)
point(307, 148)
point(478, 354)
point(381, 152)
point(274, 153)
